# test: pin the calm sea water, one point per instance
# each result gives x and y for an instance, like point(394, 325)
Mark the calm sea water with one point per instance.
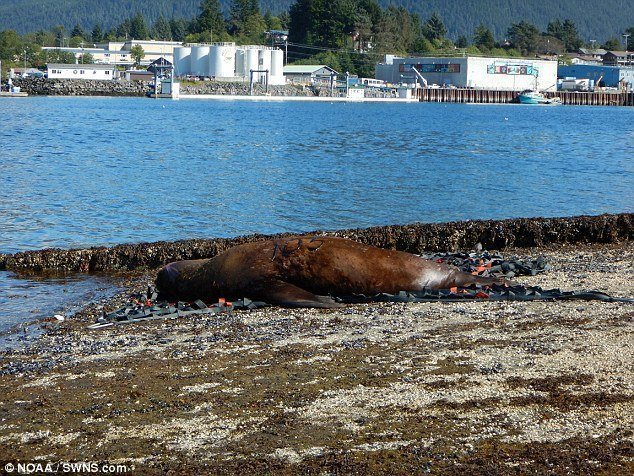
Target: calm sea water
point(78, 172)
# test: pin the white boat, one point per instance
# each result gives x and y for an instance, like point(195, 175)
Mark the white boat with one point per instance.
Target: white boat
point(530, 96)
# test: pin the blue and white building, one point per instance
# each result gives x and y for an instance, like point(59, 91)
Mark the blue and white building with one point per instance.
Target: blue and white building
point(502, 74)
point(619, 77)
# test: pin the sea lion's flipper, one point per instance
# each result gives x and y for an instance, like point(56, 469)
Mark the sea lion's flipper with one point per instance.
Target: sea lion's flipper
point(288, 295)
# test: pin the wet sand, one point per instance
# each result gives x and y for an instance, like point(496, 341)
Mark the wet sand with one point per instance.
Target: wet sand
point(440, 388)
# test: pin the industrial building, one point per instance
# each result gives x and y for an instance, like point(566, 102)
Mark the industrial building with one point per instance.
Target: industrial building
point(118, 52)
point(230, 62)
point(504, 74)
point(618, 77)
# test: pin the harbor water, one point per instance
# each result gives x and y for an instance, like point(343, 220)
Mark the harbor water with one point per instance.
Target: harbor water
point(80, 172)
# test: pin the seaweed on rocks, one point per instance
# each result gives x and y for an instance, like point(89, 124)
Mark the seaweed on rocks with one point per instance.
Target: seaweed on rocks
point(413, 238)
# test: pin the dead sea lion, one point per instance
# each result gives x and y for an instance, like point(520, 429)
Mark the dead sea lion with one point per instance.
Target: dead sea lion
point(304, 271)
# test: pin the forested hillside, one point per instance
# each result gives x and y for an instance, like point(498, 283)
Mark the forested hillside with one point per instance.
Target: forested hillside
point(594, 20)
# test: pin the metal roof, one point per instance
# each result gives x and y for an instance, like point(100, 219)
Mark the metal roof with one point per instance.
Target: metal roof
point(79, 66)
point(304, 68)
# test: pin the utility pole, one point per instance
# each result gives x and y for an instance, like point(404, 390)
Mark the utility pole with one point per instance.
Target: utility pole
point(626, 36)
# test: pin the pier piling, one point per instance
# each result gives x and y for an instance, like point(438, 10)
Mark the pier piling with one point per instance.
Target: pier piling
point(486, 96)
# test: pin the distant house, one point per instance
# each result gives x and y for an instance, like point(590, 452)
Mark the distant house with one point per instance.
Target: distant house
point(594, 52)
point(80, 71)
point(618, 58)
point(308, 74)
point(576, 58)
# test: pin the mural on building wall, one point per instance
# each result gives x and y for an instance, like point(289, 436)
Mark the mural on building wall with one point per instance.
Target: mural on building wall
point(514, 69)
point(430, 68)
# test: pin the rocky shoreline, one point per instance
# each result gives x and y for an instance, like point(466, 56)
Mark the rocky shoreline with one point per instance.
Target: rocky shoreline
point(413, 238)
point(379, 388)
point(81, 87)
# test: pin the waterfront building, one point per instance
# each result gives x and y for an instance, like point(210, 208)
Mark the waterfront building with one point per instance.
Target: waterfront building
point(504, 74)
point(81, 71)
point(618, 77)
point(309, 74)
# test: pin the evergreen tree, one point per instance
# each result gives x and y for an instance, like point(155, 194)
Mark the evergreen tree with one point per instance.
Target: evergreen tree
point(566, 32)
point(178, 29)
point(483, 38)
point(398, 32)
point(161, 29)
point(124, 28)
point(571, 39)
point(78, 31)
point(300, 21)
point(524, 36)
point(211, 20)
point(97, 33)
point(613, 44)
point(324, 23)
point(462, 42)
point(138, 27)
point(241, 11)
point(272, 22)
point(285, 20)
point(434, 28)
point(555, 28)
point(59, 32)
point(246, 21)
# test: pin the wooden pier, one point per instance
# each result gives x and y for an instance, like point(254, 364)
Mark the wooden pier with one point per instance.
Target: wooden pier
point(484, 96)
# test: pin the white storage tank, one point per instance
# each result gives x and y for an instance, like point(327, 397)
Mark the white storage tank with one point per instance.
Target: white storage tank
point(222, 60)
point(182, 60)
point(277, 63)
point(252, 61)
point(265, 62)
point(200, 60)
point(277, 68)
point(241, 63)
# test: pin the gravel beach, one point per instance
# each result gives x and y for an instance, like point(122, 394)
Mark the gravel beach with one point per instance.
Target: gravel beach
point(439, 388)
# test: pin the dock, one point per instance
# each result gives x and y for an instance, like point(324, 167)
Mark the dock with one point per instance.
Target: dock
point(6, 94)
point(484, 96)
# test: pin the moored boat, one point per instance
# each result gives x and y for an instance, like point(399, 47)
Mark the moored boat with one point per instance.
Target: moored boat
point(530, 96)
